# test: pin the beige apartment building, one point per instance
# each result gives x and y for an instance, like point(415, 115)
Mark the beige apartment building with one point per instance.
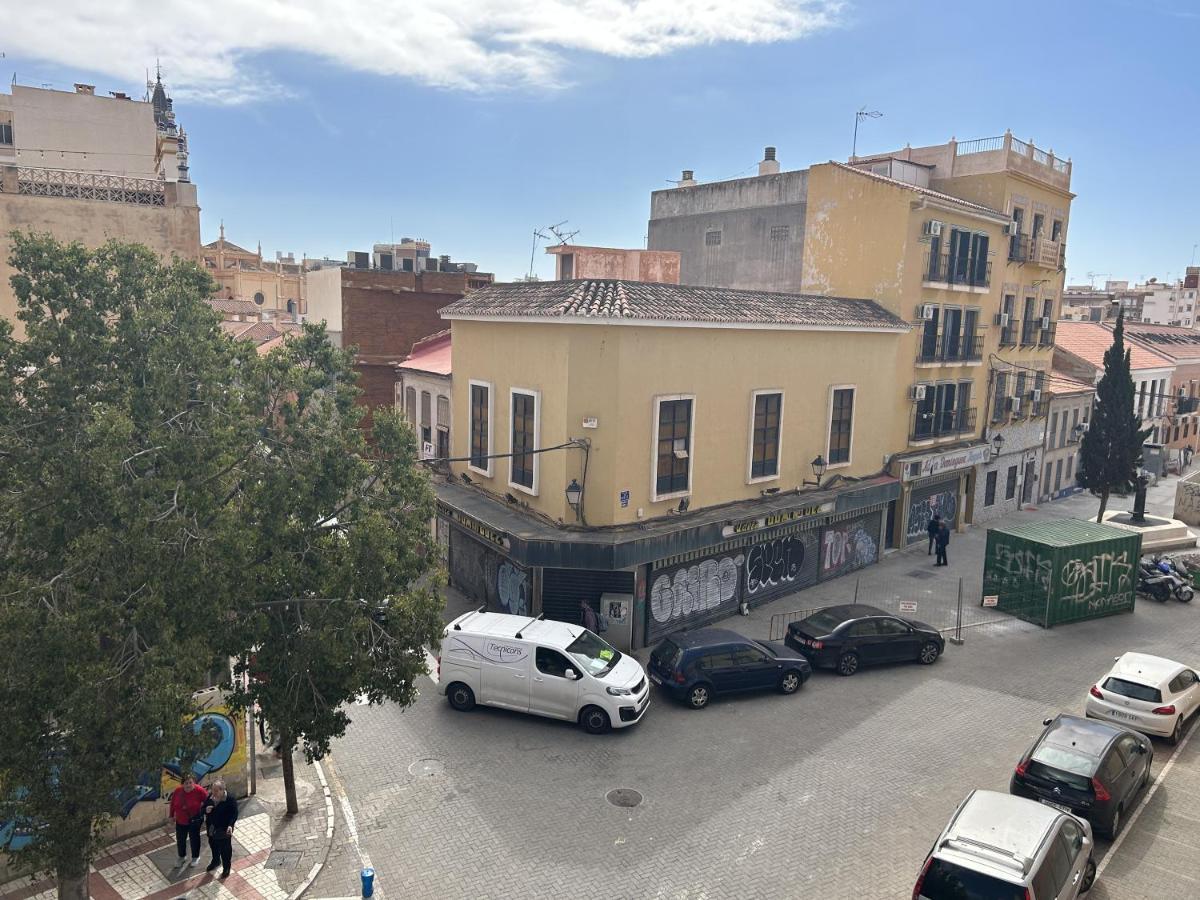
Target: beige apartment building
point(660, 445)
point(92, 168)
point(275, 287)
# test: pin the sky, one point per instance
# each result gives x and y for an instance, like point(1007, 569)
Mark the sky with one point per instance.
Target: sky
point(321, 126)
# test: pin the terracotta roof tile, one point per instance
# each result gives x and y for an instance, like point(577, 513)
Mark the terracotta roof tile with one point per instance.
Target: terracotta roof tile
point(236, 307)
point(431, 354)
point(1061, 383)
point(641, 302)
point(1174, 341)
point(1089, 340)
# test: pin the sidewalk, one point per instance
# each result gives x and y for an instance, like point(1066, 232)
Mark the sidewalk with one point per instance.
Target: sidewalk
point(275, 857)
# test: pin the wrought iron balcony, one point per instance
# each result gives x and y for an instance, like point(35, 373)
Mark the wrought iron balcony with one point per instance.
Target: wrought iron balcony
point(950, 348)
point(1029, 332)
point(936, 423)
point(946, 269)
point(1046, 337)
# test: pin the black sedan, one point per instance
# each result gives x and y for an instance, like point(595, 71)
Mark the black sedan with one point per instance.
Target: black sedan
point(846, 637)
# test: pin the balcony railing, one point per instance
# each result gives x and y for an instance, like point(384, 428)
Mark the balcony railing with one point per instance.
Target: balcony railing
point(1046, 337)
point(951, 348)
point(943, 422)
point(1029, 332)
point(1040, 251)
point(946, 269)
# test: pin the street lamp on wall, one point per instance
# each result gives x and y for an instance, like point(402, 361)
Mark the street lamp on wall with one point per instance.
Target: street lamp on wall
point(997, 444)
point(818, 467)
point(574, 495)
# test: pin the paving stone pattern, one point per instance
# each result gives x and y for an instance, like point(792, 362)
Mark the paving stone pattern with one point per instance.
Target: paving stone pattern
point(836, 792)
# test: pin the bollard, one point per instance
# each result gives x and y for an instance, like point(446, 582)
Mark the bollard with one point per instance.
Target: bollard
point(368, 881)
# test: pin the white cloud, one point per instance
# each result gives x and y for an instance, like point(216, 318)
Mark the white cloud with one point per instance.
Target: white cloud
point(210, 49)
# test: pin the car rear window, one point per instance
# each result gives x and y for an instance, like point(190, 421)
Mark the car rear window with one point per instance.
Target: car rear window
point(947, 881)
point(821, 623)
point(666, 654)
point(1064, 766)
point(1132, 690)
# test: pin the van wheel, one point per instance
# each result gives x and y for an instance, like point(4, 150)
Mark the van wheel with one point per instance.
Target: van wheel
point(790, 682)
point(1089, 876)
point(594, 720)
point(699, 695)
point(847, 664)
point(460, 696)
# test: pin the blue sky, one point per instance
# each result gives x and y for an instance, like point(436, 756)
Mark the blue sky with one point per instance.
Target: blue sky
point(317, 140)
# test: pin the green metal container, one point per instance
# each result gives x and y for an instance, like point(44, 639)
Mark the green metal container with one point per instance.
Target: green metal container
point(1062, 570)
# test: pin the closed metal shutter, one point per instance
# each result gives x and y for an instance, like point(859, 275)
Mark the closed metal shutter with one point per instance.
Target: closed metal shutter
point(563, 589)
point(927, 500)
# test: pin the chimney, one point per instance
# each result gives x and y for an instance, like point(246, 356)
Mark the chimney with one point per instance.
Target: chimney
point(688, 179)
point(769, 164)
point(89, 89)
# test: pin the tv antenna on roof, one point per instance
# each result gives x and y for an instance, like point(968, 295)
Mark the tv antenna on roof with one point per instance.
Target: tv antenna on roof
point(1094, 275)
point(555, 234)
point(563, 238)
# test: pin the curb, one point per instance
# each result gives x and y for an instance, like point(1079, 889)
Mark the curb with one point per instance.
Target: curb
point(320, 864)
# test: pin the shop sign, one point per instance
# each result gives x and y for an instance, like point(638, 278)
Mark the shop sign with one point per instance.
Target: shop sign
point(745, 526)
point(948, 462)
point(477, 528)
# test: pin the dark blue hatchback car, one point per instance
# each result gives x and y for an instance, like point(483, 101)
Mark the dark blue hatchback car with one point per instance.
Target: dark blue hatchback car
point(692, 666)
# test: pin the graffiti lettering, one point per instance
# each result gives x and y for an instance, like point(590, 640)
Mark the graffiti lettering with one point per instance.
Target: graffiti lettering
point(512, 584)
point(1020, 568)
point(773, 563)
point(922, 511)
point(695, 589)
point(1104, 581)
point(851, 546)
point(1187, 502)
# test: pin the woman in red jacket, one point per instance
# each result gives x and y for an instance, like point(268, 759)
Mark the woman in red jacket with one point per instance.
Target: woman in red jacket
point(187, 812)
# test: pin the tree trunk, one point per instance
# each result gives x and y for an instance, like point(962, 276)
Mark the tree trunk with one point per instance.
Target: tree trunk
point(72, 886)
point(1103, 504)
point(286, 746)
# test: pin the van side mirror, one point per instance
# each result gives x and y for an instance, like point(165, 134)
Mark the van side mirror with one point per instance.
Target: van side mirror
point(570, 675)
point(1047, 721)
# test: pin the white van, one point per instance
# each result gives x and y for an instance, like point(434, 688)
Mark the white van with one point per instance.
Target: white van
point(549, 668)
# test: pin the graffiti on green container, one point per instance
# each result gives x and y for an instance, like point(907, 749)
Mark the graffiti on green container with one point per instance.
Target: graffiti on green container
point(1021, 568)
point(1102, 582)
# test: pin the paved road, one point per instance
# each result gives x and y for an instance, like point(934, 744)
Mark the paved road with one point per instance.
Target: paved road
point(836, 792)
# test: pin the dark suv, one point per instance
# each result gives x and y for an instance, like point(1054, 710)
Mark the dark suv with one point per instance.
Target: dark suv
point(1089, 768)
point(694, 665)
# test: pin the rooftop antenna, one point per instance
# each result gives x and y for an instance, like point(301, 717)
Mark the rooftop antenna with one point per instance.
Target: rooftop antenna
point(1193, 262)
point(858, 117)
point(1094, 275)
point(538, 235)
point(563, 239)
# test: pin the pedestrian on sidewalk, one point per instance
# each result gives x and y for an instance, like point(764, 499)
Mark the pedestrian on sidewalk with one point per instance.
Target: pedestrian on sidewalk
point(187, 812)
point(943, 541)
point(590, 622)
point(220, 813)
point(934, 526)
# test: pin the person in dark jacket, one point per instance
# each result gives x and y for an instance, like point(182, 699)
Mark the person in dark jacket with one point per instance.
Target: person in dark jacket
point(187, 812)
point(590, 622)
point(943, 541)
point(934, 526)
point(220, 813)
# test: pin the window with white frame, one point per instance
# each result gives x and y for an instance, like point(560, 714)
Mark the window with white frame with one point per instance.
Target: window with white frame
point(481, 427)
point(841, 425)
point(523, 415)
point(764, 435)
point(673, 446)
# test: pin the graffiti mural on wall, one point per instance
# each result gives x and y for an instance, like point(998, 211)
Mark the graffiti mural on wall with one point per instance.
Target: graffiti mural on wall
point(922, 509)
point(222, 751)
point(694, 591)
point(785, 564)
point(512, 587)
point(849, 545)
point(1103, 582)
point(1020, 568)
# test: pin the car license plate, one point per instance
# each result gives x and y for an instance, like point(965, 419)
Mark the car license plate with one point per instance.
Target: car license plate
point(1123, 715)
point(1058, 806)
point(655, 679)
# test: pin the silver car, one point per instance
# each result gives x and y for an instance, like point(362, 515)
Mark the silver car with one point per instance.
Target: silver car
point(1001, 847)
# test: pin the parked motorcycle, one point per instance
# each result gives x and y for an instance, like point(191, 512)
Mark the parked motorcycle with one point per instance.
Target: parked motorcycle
point(1159, 580)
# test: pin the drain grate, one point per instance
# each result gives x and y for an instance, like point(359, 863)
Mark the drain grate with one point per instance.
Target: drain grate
point(426, 767)
point(922, 573)
point(282, 859)
point(626, 797)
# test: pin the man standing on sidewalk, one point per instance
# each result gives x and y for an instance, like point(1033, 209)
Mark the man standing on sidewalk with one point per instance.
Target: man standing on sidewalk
point(934, 526)
point(943, 541)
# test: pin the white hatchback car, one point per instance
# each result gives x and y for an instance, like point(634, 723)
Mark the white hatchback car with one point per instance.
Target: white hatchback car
point(1148, 694)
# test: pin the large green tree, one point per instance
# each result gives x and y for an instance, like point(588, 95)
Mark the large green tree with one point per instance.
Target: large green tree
point(126, 419)
point(342, 588)
point(1111, 450)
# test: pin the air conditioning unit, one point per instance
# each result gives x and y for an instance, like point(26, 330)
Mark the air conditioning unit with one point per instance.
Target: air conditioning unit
point(927, 311)
point(1045, 322)
point(917, 392)
point(1035, 395)
point(1002, 319)
point(1012, 228)
point(1014, 405)
point(933, 228)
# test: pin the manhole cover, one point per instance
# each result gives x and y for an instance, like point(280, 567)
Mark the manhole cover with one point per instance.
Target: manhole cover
point(921, 573)
point(426, 767)
point(626, 797)
point(282, 859)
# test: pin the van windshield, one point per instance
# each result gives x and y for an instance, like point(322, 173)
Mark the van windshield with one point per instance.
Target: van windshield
point(594, 654)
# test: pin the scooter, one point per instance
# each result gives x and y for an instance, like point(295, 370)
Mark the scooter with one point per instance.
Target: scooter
point(1181, 587)
point(1162, 584)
